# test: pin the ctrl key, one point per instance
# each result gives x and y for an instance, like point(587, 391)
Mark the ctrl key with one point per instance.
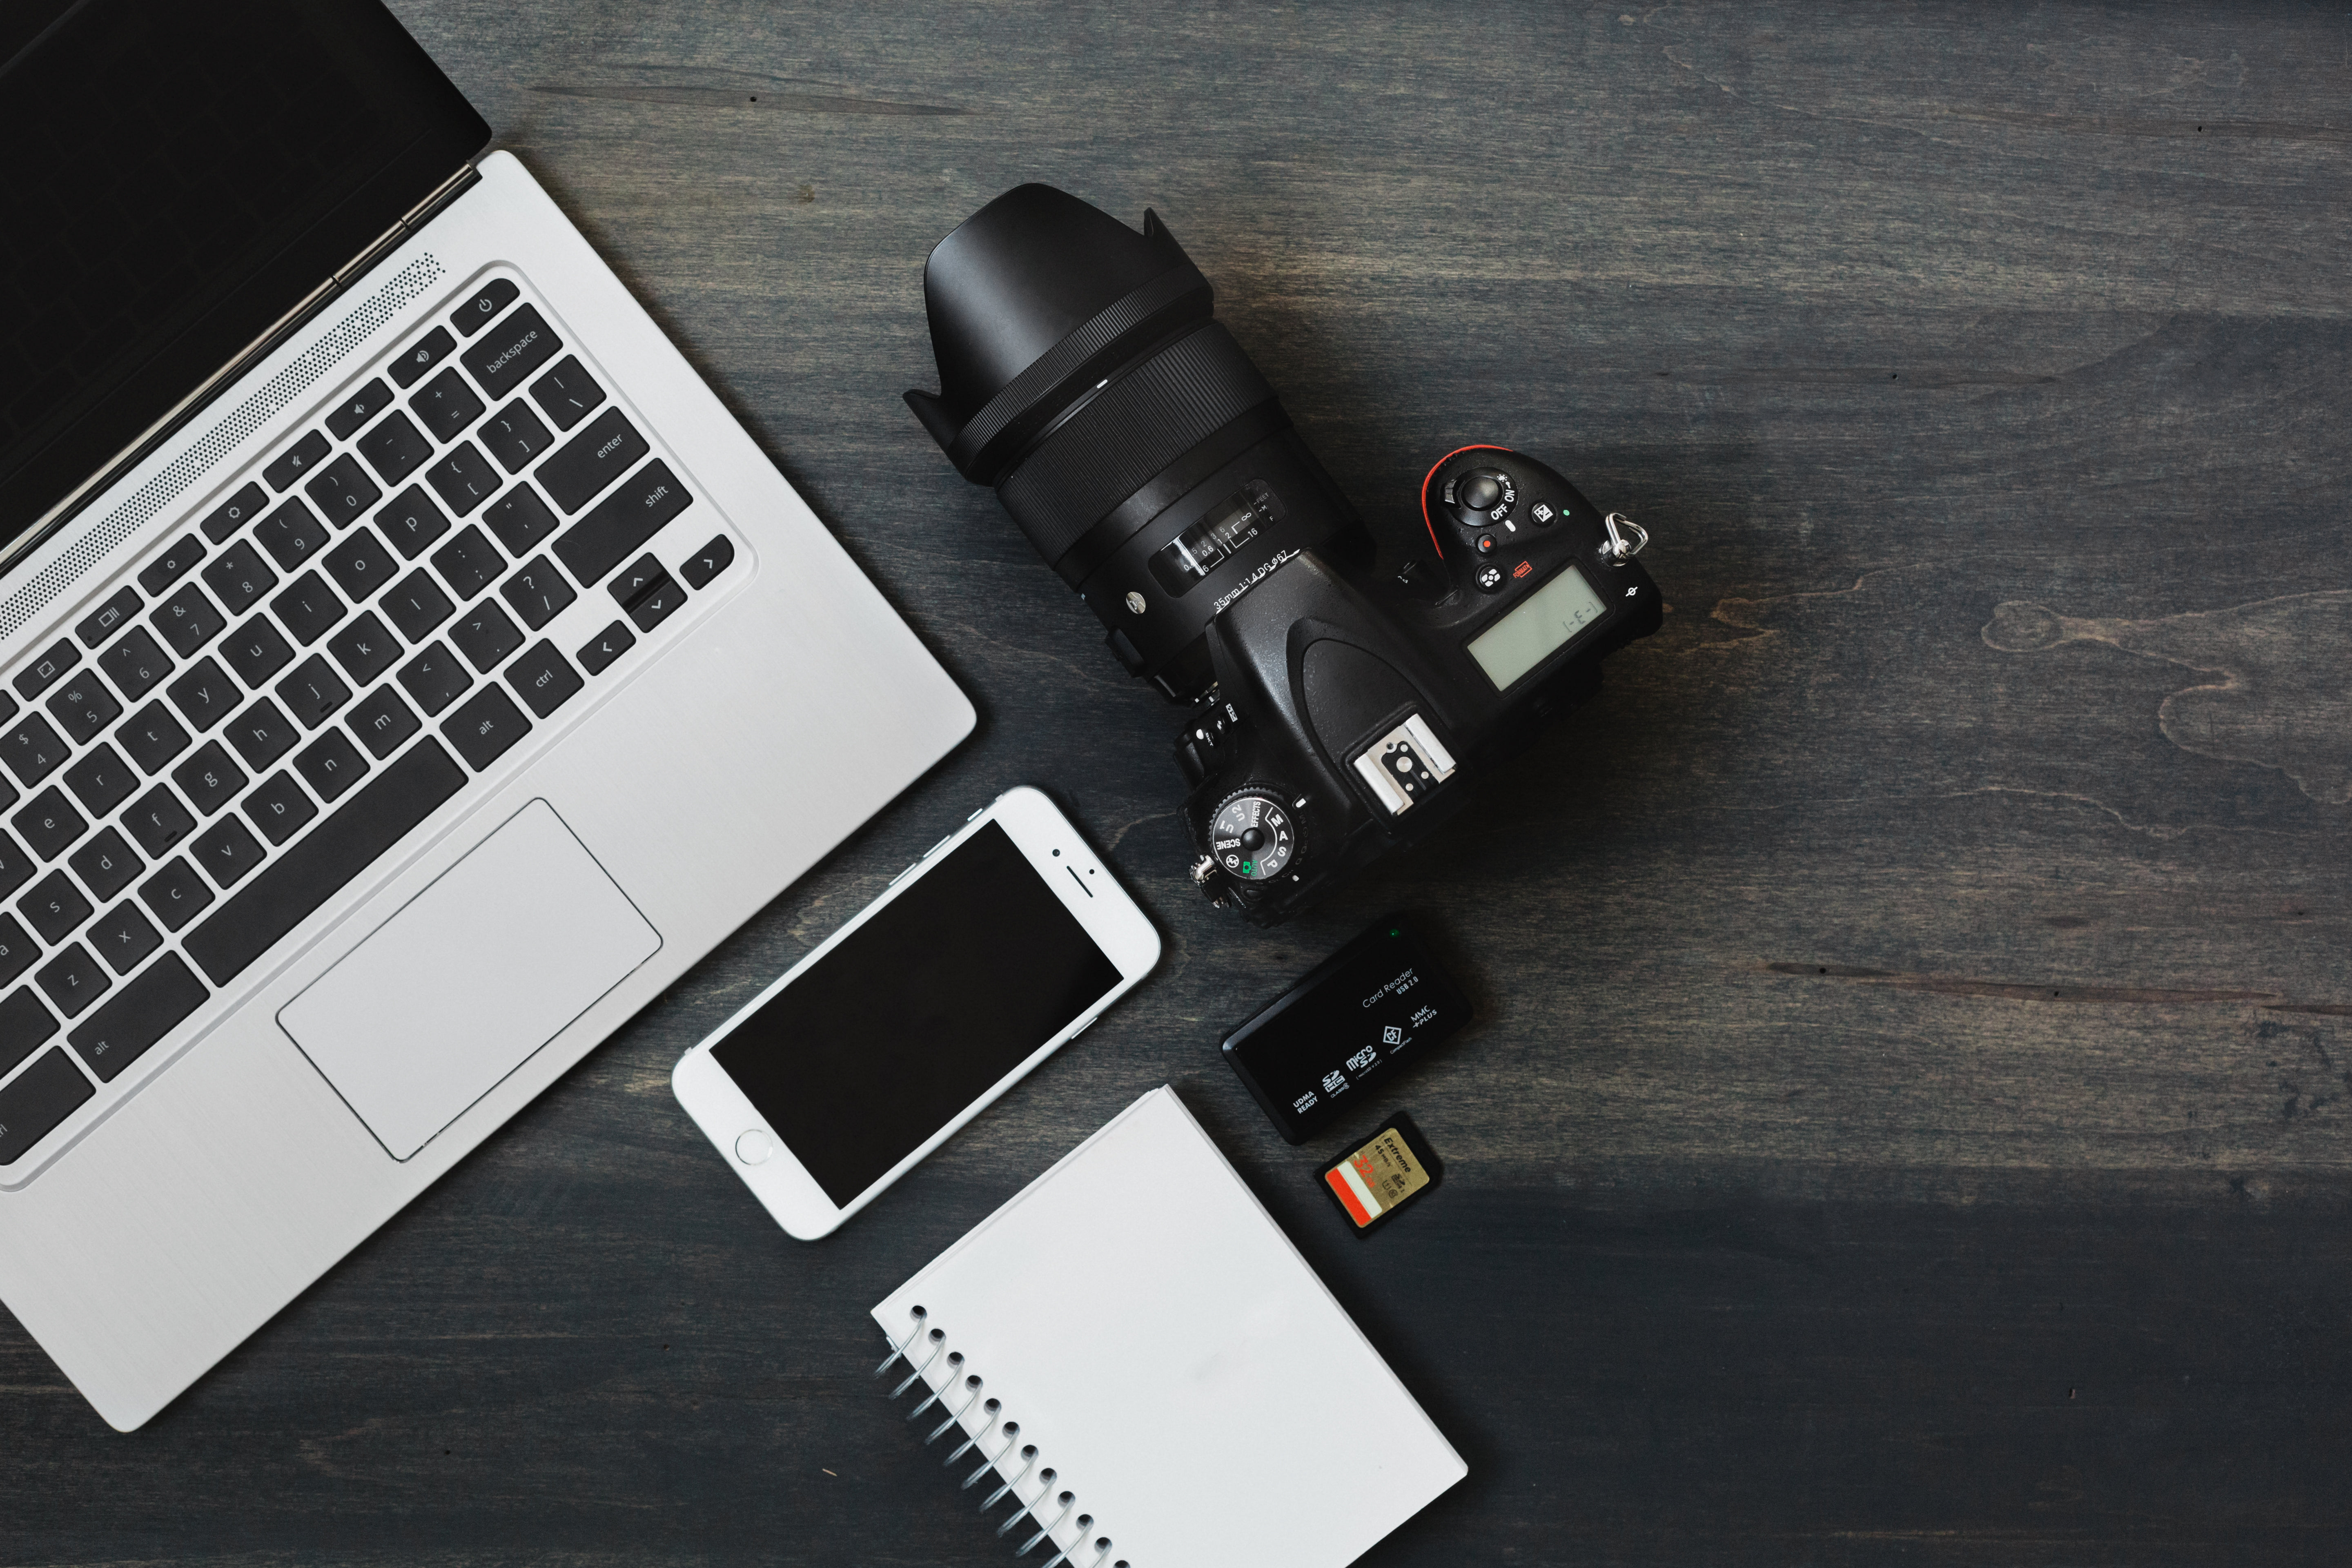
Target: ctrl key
point(42, 1096)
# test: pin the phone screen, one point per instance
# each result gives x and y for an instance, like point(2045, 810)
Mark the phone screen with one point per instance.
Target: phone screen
point(916, 1014)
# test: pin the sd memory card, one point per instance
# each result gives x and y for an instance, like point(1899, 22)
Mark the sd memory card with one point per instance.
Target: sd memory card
point(1358, 1018)
point(1372, 1182)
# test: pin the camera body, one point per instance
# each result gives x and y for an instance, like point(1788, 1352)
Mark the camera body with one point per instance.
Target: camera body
point(1350, 709)
point(1341, 697)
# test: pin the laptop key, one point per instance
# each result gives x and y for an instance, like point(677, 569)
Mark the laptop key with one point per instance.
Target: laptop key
point(188, 620)
point(24, 1022)
point(343, 491)
point(469, 563)
point(291, 535)
point(234, 513)
point(83, 705)
point(331, 764)
point(100, 779)
point(238, 577)
point(365, 649)
point(514, 436)
point(142, 1013)
point(417, 605)
point(657, 603)
point(412, 521)
point(537, 592)
point(313, 691)
point(352, 838)
point(360, 564)
point(176, 894)
point(106, 864)
point(204, 693)
point(308, 608)
point(445, 406)
point(359, 408)
point(55, 906)
point(505, 356)
point(622, 523)
point(435, 677)
point(707, 561)
point(381, 721)
point(73, 981)
point(567, 394)
point(262, 735)
point(209, 779)
point(278, 807)
point(634, 578)
point(157, 820)
point(257, 650)
point(395, 448)
point(583, 466)
point(46, 670)
point(172, 565)
point(479, 312)
point(44, 1095)
point(610, 644)
point(227, 851)
point(123, 937)
point(465, 478)
point(102, 623)
point(32, 750)
point(16, 870)
point(295, 460)
point(543, 678)
point(134, 663)
point(421, 356)
point(520, 519)
point(484, 729)
point(49, 824)
point(485, 636)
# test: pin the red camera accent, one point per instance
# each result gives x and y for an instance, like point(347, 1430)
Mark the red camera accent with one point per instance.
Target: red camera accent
point(1433, 474)
point(1523, 568)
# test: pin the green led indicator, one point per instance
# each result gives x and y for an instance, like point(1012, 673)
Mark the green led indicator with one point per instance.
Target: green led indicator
point(1396, 930)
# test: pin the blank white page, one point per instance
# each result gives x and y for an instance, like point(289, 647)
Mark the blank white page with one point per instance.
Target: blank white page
point(1175, 1361)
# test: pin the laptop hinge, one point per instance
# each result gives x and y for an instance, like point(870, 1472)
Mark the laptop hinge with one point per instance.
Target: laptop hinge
point(188, 408)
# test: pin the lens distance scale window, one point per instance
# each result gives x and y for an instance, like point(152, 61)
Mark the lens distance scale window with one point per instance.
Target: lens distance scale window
point(1185, 562)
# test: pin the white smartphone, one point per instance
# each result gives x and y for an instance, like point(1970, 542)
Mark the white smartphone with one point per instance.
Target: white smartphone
point(978, 962)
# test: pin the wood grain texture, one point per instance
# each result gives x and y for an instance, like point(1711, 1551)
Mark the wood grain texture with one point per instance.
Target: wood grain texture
point(1908, 1119)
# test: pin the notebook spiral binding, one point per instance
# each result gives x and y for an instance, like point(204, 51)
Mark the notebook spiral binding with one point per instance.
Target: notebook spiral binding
point(923, 1347)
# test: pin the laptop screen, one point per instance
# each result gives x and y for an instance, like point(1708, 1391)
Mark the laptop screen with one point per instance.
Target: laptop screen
point(179, 176)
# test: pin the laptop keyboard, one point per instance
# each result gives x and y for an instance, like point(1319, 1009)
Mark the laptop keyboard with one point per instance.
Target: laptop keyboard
point(278, 694)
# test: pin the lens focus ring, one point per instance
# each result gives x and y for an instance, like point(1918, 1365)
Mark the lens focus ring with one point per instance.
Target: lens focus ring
point(1133, 428)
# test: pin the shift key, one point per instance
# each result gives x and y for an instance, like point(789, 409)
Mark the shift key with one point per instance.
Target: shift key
point(622, 523)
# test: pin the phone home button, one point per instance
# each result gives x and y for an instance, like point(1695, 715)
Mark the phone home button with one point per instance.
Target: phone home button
point(754, 1147)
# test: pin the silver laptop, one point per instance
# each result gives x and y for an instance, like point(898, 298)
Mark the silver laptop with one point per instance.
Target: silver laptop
point(408, 667)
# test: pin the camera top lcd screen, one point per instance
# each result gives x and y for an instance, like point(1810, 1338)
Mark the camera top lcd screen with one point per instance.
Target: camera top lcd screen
point(1527, 637)
point(917, 1013)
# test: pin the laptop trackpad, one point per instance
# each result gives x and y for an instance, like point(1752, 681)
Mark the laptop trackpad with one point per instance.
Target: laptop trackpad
point(470, 977)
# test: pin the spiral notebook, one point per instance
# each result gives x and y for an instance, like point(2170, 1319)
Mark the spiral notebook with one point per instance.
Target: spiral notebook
point(1128, 1364)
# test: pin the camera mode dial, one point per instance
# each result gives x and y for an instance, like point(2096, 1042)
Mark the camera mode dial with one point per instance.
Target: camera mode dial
point(1483, 496)
point(1252, 835)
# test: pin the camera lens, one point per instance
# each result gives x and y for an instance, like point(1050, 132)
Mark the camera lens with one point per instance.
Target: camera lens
point(1132, 440)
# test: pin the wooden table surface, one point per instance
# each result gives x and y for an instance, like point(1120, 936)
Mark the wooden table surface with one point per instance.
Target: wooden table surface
point(1909, 1117)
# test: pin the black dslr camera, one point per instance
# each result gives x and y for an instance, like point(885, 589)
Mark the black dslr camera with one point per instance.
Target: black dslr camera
point(1340, 704)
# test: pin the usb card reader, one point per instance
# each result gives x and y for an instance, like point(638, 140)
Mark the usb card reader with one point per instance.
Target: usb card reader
point(1360, 1019)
